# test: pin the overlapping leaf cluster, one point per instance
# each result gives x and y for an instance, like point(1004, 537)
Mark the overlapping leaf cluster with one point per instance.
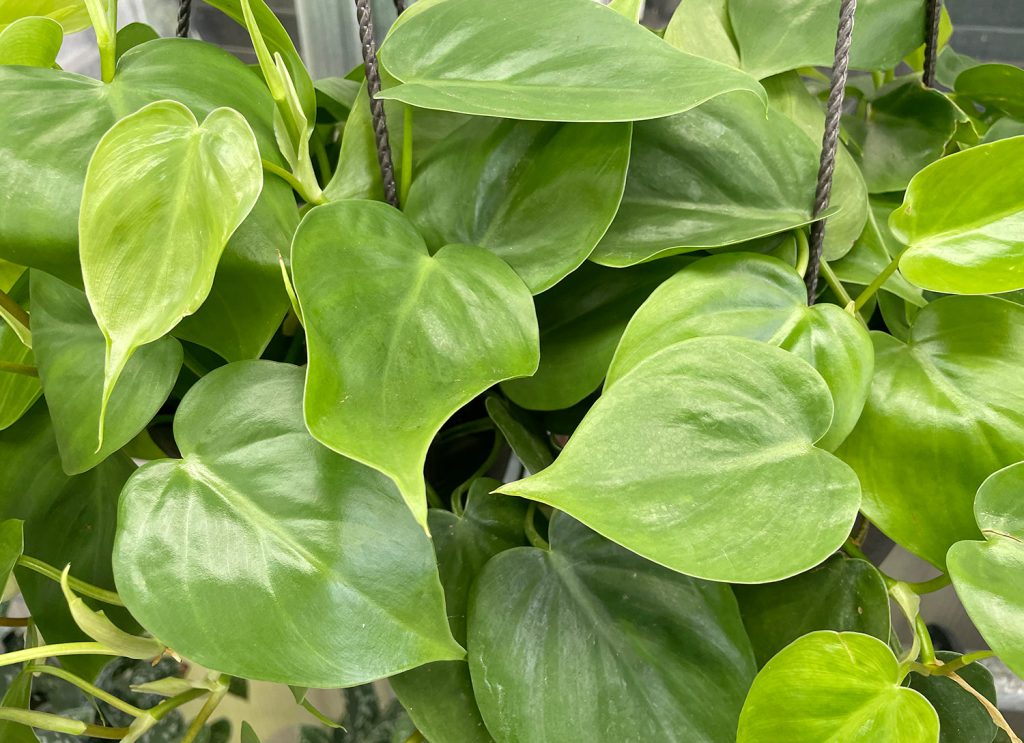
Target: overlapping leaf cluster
point(597, 266)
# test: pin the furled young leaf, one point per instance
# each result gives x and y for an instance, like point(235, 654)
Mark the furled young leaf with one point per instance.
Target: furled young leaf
point(523, 430)
point(67, 520)
point(788, 34)
point(961, 220)
point(702, 27)
point(32, 41)
point(989, 575)
point(702, 459)
point(588, 642)
point(265, 555)
point(69, 349)
point(761, 298)
point(841, 594)
point(832, 686)
point(951, 402)
point(997, 87)
point(52, 122)
point(72, 15)
point(717, 175)
point(494, 59)
point(907, 127)
point(962, 718)
point(17, 391)
point(399, 339)
point(439, 696)
point(494, 181)
point(581, 321)
point(135, 239)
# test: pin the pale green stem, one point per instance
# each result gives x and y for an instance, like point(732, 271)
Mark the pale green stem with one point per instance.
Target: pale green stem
point(322, 160)
point(14, 310)
point(406, 155)
point(531, 528)
point(87, 688)
point(927, 649)
point(56, 651)
point(945, 669)
point(840, 291)
point(168, 705)
point(103, 14)
point(295, 183)
point(874, 286)
point(23, 369)
point(78, 586)
point(58, 724)
point(930, 586)
point(204, 714)
point(802, 252)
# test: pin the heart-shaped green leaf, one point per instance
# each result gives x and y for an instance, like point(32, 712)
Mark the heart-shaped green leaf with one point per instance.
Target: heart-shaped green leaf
point(717, 175)
point(439, 696)
point(581, 321)
point(962, 718)
point(399, 339)
point(989, 575)
point(493, 181)
point(788, 34)
point(841, 594)
point(491, 58)
point(997, 87)
point(17, 391)
point(52, 122)
point(951, 401)
point(32, 41)
point(134, 239)
point(702, 459)
point(702, 27)
point(72, 15)
point(265, 555)
point(761, 298)
point(832, 686)
point(588, 642)
point(966, 240)
point(68, 520)
point(70, 349)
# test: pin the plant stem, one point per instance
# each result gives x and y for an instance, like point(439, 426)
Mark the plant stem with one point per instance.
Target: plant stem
point(465, 429)
point(406, 155)
point(839, 290)
point(802, 252)
point(204, 714)
point(993, 712)
point(927, 648)
point(58, 724)
point(930, 586)
point(169, 705)
point(323, 162)
point(78, 586)
point(87, 688)
point(294, 182)
point(14, 621)
point(416, 737)
point(874, 286)
point(531, 528)
point(23, 369)
point(56, 651)
point(13, 310)
point(945, 669)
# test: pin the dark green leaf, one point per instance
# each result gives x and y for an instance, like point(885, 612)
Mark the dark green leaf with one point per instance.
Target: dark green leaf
point(962, 718)
point(17, 391)
point(997, 87)
point(524, 432)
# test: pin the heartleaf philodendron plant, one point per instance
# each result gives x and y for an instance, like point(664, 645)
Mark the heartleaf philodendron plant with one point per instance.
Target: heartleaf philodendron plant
point(251, 413)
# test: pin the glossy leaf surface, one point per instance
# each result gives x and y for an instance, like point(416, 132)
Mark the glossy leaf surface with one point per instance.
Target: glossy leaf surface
point(70, 349)
point(17, 391)
point(265, 555)
point(12, 544)
point(962, 718)
point(702, 27)
point(72, 15)
point(831, 686)
point(951, 401)
point(841, 594)
point(399, 339)
point(787, 34)
point(702, 458)
point(761, 298)
point(716, 175)
point(989, 575)
point(997, 87)
point(666, 652)
point(581, 321)
point(501, 63)
point(966, 240)
point(493, 182)
point(135, 241)
point(32, 41)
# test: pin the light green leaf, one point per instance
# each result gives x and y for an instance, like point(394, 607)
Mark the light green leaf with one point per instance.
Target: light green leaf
point(135, 238)
point(262, 538)
point(702, 27)
point(488, 59)
point(997, 87)
point(719, 174)
point(907, 128)
point(989, 575)
point(439, 696)
point(17, 391)
point(951, 401)
point(581, 320)
point(832, 687)
point(631, 9)
point(788, 34)
point(399, 339)
point(966, 240)
point(962, 718)
point(788, 95)
point(642, 653)
point(52, 122)
point(72, 15)
point(841, 594)
point(761, 298)
point(702, 459)
point(493, 181)
point(70, 349)
point(130, 36)
point(32, 41)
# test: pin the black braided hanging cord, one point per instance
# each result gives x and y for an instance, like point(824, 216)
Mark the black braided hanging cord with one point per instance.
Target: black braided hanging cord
point(380, 125)
point(830, 142)
point(931, 42)
point(184, 18)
